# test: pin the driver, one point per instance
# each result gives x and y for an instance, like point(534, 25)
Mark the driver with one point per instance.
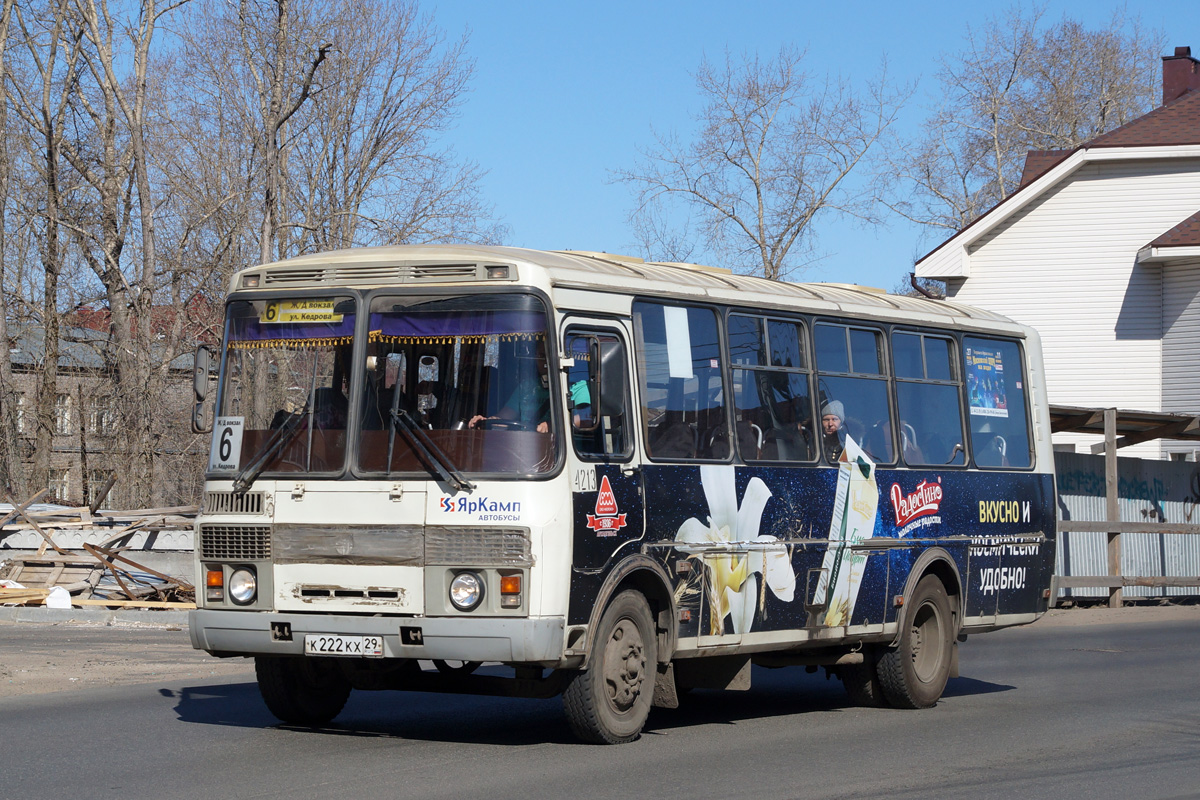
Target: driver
point(530, 401)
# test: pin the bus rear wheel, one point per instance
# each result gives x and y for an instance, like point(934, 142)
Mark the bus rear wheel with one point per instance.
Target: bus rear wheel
point(914, 673)
point(302, 691)
point(608, 703)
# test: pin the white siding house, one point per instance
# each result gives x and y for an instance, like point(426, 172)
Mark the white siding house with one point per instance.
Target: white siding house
point(1101, 253)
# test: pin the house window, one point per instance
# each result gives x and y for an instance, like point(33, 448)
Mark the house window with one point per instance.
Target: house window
point(62, 414)
point(96, 480)
point(21, 413)
point(102, 416)
point(60, 483)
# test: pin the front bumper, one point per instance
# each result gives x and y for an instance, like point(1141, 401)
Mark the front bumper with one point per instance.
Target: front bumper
point(525, 640)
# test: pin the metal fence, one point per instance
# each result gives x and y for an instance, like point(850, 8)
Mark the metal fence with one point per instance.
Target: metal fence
point(1150, 494)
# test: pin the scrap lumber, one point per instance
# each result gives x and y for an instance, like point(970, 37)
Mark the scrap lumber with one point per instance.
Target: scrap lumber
point(123, 532)
point(130, 603)
point(18, 509)
point(181, 511)
point(22, 596)
point(42, 533)
point(103, 493)
point(113, 554)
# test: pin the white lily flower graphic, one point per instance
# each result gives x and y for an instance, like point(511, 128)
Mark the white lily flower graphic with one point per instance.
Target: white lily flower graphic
point(732, 578)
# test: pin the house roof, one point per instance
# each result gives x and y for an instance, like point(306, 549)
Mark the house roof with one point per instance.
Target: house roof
point(1185, 234)
point(1176, 123)
point(1039, 162)
point(78, 347)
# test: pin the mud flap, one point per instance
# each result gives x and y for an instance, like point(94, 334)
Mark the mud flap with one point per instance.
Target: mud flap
point(665, 694)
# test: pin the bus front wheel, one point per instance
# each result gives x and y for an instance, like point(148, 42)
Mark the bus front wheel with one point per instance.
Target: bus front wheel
point(609, 701)
point(914, 673)
point(302, 691)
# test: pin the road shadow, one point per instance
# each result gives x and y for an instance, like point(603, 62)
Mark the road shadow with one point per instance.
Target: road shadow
point(473, 719)
point(966, 687)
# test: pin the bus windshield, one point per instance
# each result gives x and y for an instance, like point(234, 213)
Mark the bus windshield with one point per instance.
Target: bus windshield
point(284, 397)
point(457, 384)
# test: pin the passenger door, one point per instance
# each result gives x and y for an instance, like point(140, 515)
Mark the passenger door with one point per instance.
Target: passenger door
point(606, 482)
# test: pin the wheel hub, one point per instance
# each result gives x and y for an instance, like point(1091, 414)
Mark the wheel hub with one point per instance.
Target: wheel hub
point(926, 642)
point(624, 665)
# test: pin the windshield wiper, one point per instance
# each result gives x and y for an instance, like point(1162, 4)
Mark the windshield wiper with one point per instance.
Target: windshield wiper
point(428, 450)
point(276, 442)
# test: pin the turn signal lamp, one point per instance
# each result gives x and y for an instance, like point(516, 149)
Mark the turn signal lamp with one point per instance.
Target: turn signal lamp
point(510, 591)
point(214, 581)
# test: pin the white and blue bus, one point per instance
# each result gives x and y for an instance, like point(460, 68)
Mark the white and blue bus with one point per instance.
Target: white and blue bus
point(614, 480)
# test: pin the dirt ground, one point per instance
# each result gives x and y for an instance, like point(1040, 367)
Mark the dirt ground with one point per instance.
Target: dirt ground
point(36, 658)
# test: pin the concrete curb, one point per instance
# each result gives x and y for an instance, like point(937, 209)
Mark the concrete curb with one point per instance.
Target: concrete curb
point(96, 616)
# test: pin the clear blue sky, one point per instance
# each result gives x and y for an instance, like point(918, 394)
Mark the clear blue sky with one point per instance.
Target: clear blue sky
point(565, 92)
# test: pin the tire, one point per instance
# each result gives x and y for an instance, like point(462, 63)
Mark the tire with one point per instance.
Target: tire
point(914, 674)
point(862, 681)
point(302, 691)
point(609, 701)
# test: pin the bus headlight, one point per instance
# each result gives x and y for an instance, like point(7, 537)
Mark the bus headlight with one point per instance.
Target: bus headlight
point(242, 586)
point(466, 591)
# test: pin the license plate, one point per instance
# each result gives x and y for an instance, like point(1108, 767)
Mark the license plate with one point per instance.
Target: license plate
point(328, 645)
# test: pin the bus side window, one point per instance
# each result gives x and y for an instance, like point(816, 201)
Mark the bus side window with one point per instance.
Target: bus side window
point(595, 435)
point(996, 402)
point(853, 390)
point(681, 387)
point(927, 393)
point(772, 408)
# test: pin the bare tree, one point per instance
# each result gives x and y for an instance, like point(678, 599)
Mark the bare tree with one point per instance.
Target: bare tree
point(365, 168)
point(1019, 84)
point(42, 100)
point(12, 472)
point(775, 147)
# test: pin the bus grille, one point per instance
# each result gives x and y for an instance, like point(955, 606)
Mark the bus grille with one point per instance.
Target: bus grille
point(235, 542)
point(481, 547)
point(232, 503)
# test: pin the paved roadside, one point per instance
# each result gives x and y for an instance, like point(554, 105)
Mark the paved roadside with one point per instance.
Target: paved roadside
point(1146, 611)
point(55, 650)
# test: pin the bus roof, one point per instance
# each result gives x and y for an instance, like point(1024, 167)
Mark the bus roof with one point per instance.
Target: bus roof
point(604, 272)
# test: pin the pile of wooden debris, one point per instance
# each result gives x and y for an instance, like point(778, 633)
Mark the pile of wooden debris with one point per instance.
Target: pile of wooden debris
point(103, 574)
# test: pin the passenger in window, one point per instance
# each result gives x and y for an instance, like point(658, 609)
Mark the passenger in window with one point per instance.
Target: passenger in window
point(581, 404)
point(529, 404)
point(833, 418)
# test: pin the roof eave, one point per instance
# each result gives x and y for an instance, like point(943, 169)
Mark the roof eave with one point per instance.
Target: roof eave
point(1160, 255)
point(1019, 199)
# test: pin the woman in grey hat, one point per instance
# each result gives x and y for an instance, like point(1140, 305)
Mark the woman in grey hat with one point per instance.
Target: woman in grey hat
point(833, 419)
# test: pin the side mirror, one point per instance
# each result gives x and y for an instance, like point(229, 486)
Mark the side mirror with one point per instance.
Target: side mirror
point(201, 364)
point(611, 378)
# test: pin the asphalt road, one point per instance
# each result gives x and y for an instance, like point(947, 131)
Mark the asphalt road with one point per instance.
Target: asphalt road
point(1095, 711)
